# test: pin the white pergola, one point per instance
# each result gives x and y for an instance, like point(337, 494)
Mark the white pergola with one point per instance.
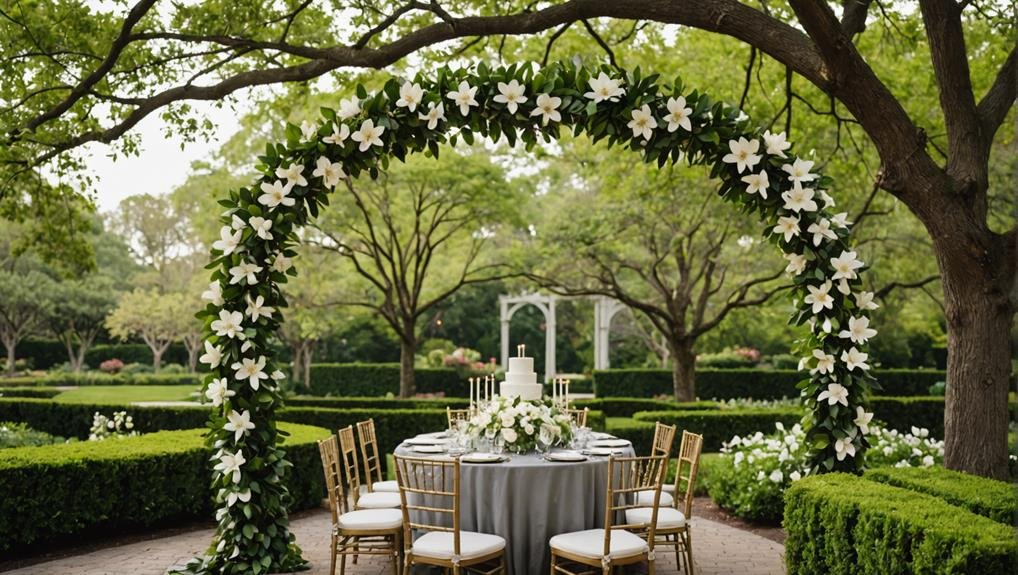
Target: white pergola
point(605, 309)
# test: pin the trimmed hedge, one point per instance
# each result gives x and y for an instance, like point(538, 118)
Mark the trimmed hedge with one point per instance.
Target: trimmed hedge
point(902, 413)
point(376, 402)
point(640, 433)
point(57, 491)
point(379, 379)
point(994, 499)
point(75, 419)
point(843, 524)
point(36, 392)
point(627, 406)
point(720, 425)
point(751, 383)
point(96, 378)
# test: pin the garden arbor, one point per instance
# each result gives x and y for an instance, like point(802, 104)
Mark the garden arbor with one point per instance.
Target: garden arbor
point(755, 170)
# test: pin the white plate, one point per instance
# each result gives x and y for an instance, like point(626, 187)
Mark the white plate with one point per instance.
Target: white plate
point(566, 456)
point(602, 435)
point(433, 435)
point(425, 441)
point(481, 458)
point(605, 451)
point(428, 449)
point(610, 443)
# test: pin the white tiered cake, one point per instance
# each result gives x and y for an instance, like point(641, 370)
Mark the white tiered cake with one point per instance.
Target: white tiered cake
point(520, 379)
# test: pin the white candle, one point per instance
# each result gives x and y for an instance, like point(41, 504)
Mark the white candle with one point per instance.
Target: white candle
point(471, 380)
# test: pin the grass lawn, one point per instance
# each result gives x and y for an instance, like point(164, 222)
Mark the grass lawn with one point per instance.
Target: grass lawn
point(123, 394)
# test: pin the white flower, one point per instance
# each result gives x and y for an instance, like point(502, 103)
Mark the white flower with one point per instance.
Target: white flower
point(330, 173)
point(231, 463)
point(678, 115)
point(835, 393)
point(825, 362)
point(796, 264)
point(799, 199)
point(281, 263)
point(844, 447)
point(511, 95)
point(788, 226)
point(798, 171)
point(236, 223)
point(776, 476)
point(251, 370)
point(795, 476)
point(464, 97)
point(928, 461)
point(760, 475)
point(862, 419)
point(410, 95)
point(261, 227)
point(235, 496)
point(214, 294)
point(238, 423)
point(277, 375)
point(821, 230)
point(228, 240)
point(212, 356)
point(743, 153)
point(257, 308)
point(854, 358)
point(368, 135)
point(845, 266)
point(293, 174)
point(776, 144)
point(228, 324)
point(739, 456)
point(435, 113)
point(509, 434)
point(604, 87)
point(245, 271)
point(859, 330)
point(643, 123)
point(864, 300)
point(841, 220)
point(275, 194)
point(547, 108)
point(819, 297)
point(745, 242)
point(348, 108)
point(828, 200)
point(339, 135)
point(218, 391)
point(757, 183)
point(307, 130)
point(920, 431)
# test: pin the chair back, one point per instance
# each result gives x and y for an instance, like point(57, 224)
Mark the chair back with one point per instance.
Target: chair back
point(579, 416)
point(369, 452)
point(664, 438)
point(685, 471)
point(429, 490)
point(329, 451)
point(627, 477)
point(454, 415)
point(351, 469)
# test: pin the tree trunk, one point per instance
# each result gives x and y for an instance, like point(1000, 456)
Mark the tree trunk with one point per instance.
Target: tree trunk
point(408, 347)
point(11, 347)
point(683, 369)
point(306, 364)
point(296, 361)
point(157, 358)
point(192, 359)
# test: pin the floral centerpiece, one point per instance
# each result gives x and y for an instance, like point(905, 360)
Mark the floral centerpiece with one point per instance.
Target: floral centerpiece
point(520, 425)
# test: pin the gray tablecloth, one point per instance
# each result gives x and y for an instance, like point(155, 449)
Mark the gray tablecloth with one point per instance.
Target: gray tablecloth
point(527, 500)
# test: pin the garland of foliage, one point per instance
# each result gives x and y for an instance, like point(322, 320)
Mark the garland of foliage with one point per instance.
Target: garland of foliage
point(756, 170)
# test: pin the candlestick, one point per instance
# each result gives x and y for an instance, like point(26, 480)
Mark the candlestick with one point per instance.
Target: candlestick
point(471, 380)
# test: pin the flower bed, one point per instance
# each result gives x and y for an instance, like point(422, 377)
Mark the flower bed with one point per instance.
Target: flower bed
point(56, 491)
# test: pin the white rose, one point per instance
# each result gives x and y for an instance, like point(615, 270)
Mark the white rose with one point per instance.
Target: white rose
point(509, 435)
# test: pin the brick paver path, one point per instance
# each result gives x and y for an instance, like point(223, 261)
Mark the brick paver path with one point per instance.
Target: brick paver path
point(717, 548)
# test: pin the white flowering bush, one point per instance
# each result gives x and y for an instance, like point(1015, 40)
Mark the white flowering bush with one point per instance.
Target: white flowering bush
point(520, 425)
point(119, 426)
point(753, 472)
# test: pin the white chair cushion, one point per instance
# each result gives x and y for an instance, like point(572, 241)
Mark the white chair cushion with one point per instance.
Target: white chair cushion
point(385, 486)
point(439, 544)
point(647, 498)
point(669, 487)
point(667, 517)
point(368, 519)
point(590, 543)
point(379, 500)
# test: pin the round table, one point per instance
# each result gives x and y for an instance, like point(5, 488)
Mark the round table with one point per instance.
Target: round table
point(527, 500)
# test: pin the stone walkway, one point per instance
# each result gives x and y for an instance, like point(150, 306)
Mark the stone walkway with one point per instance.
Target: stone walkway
point(717, 548)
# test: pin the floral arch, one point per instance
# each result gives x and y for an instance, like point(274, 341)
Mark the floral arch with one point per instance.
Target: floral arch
point(757, 171)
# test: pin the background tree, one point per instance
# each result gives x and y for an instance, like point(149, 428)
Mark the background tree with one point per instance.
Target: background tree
point(78, 314)
point(149, 315)
point(24, 306)
point(159, 236)
point(416, 236)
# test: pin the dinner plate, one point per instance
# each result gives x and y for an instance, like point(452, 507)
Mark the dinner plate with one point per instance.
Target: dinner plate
point(481, 458)
point(428, 449)
point(610, 443)
point(605, 451)
point(602, 435)
point(425, 441)
point(565, 456)
point(434, 435)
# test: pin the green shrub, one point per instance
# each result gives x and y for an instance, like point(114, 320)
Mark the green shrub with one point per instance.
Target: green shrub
point(57, 491)
point(724, 360)
point(843, 524)
point(37, 392)
point(994, 499)
point(20, 435)
point(627, 406)
point(134, 353)
point(376, 402)
point(75, 419)
point(720, 425)
point(902, 413)
point(68, 379)
point(379, 379)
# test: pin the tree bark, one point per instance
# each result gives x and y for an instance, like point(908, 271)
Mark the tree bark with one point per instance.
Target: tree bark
point(306, 363)
point(684, 369)
point(157, 358)
point(11, 347)
point(407, 350)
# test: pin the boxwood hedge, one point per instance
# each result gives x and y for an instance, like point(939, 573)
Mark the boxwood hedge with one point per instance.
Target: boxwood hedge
point(379, 379)
point(98, 378)
point(845, 525)
point(994, 499)
point(718, 426)
point(36, 392)
point(56, 491)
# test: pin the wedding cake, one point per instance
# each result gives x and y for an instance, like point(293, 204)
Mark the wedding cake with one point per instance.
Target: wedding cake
point(520, 379)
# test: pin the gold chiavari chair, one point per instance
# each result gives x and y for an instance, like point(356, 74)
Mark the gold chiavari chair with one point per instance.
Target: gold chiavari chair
point(455, 415)
point(579, 416)
point(351, 470)
point(363, 532)
point(614, 545)
point(430, 493)
point(664, 438)
point(672, 525)
point(372, 462)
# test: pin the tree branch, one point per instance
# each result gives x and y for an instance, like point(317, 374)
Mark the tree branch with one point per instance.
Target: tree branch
point(1000, 98)
point(882, 292)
